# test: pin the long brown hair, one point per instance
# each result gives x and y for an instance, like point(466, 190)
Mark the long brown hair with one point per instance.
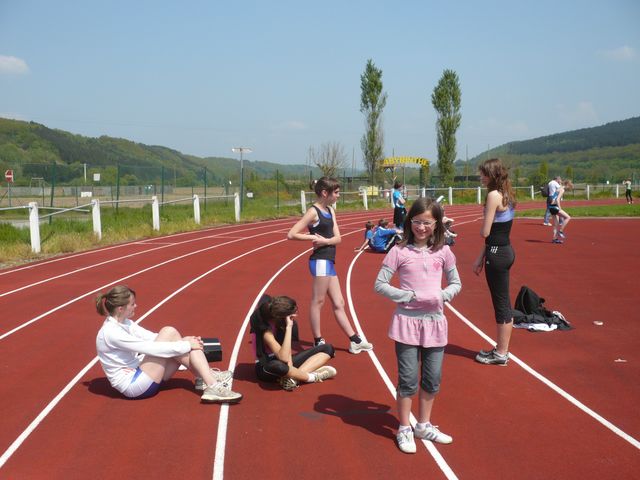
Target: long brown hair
point(498, 176)
point(106, 303)
point(420, 206)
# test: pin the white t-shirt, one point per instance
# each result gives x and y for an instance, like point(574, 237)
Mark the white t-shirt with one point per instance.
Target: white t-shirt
point(553, 187)
point(121, 347)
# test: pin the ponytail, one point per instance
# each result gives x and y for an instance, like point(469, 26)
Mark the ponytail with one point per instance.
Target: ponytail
point(106, 303)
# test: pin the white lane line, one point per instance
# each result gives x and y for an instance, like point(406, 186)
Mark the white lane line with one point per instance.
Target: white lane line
point(142, 242)
point(551, 385)
point(221, 440)
point(439, 459)
point(41, 416)
point(223, 420)
point(161, 246)
point(95, 290)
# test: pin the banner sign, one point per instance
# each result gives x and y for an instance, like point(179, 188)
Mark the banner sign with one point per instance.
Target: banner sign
point(393, 161)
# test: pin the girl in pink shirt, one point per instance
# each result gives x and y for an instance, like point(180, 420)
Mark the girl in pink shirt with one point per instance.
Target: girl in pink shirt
point(418, 326)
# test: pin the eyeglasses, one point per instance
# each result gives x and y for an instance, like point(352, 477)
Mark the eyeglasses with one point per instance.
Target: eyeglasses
point(419, 223)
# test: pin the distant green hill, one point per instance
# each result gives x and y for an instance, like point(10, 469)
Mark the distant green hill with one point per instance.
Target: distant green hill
point(32, 150)
point(607, 152)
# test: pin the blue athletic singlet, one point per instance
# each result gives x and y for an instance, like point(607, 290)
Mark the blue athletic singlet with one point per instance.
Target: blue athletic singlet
point(324, 228)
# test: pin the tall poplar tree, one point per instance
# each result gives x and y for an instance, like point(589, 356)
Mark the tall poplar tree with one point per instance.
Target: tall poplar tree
point(372, 102)
point(446, 99)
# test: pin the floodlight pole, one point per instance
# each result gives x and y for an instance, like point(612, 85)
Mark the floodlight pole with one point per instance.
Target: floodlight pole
point(241, 150)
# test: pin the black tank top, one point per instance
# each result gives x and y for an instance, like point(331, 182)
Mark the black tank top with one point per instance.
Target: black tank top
point(324, 228)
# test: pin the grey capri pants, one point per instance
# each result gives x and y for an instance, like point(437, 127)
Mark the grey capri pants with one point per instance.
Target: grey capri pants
point(409, 357)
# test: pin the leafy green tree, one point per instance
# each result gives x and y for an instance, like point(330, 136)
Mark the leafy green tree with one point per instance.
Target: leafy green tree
point(446, 98)
point(568, 173)
point(544, 170)
point(372, 102)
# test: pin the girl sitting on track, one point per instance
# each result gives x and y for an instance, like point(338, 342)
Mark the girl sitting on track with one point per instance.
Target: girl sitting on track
point(419, 327)
point(368, 234)
point(560, 217)
point(324, 234)
point(272, 330)
point(120, 343)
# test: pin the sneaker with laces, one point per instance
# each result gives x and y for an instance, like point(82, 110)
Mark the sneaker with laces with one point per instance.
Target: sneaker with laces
point(561, 234)
point(220, 376)
point(405, 440)
point(288, 384)
point(220, 393)
point(546, 224)
point(325, 373)
point(363, 346)
point(319, 342)
point(556, 240)
point(431, 432)
point(492, 358)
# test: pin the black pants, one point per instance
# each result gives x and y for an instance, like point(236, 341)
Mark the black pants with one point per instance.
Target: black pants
point(627, 195)
point(498, 261)
point(399, 214)
point(273, 369)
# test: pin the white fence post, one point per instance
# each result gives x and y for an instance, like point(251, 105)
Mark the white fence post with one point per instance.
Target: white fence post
point(95, 214)
point(303, 202)
point(532, 193)
point(588, 192)
point(196, 208)
point(34, 226)
point(423, 192)
point(236, 204)
point(365, 198)
point(155, 213)
point(479, 196)
point(450, 195)
point(617, 191)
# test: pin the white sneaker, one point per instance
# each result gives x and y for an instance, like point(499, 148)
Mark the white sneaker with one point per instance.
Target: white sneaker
point(220, 376)
point(405, 440)
point(432, 433)
point(325, 373)
point(363, 346)
point(220, 393)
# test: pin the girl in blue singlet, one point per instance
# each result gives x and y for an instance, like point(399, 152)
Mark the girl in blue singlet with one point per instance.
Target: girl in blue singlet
point(320, 221)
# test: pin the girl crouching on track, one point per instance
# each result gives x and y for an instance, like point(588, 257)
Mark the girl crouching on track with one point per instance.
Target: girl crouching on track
point(272, 330)
point(419, 326)
point(120, 343)
point(324, 233)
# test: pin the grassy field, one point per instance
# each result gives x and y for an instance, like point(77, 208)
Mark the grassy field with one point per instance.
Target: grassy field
point(68, 235)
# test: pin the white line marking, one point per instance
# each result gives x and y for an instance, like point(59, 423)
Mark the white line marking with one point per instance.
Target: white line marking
point(221, 440)
point(34, 424)
point(39, 317)
point(444, 466)
point(551, 385)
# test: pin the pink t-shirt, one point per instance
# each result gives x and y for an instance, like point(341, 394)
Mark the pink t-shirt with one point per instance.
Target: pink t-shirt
point(420, 321)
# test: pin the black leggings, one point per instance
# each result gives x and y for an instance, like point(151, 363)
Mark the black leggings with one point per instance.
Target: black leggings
point(273, 369)
point(627, 195)
point(498, 261)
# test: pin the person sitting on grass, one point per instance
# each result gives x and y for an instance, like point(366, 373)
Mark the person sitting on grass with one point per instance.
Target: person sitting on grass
point(272, 331)
point(137, 361)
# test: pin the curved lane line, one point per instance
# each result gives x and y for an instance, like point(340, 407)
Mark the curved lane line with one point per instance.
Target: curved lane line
point(41, 416)
point(551, 385)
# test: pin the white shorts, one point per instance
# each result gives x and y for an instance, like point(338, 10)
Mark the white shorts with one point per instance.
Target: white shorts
point(141, 386)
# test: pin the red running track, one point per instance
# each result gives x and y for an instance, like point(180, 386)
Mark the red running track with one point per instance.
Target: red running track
point(62, 420)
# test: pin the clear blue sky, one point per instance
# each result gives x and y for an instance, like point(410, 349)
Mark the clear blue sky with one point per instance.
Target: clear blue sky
point(281, 76)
